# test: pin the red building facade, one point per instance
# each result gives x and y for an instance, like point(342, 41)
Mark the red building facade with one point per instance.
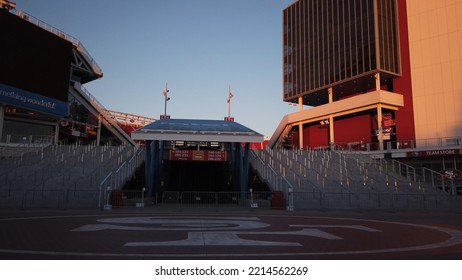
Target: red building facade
point(349, 61)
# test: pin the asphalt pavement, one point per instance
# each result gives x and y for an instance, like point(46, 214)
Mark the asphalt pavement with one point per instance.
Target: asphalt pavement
point(244, 233)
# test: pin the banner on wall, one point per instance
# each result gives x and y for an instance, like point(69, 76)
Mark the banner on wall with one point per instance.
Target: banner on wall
point(31, 101)
point(201, 155)
point(433, 153)
point(386, 133)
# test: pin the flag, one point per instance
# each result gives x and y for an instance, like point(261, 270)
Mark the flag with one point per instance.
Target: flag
point(166, 90)
point(230, 95)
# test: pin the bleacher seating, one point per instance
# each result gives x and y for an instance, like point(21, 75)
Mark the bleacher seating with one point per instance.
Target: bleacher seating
point(68, 170)
point(344, 180)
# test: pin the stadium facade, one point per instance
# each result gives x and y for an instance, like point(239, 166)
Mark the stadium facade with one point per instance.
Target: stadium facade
point(43, 102)
point(371, 74)
point(42, 98)
point(352, 61)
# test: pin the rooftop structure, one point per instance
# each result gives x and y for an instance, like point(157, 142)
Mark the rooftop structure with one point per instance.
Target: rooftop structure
point(197, 130)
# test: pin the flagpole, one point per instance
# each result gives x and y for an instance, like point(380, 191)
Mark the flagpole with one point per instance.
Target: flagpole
point(166, 98)
point(230, 96)
point(229, 102)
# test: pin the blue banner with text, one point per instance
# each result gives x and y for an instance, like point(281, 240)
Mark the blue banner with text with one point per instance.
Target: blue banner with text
point(32, 101)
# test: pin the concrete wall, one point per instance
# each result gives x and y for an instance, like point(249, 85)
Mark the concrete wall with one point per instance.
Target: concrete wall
point(435, 43)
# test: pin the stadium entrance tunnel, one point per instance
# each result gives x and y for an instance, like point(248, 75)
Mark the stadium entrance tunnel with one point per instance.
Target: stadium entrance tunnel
point(196, 156)
point(196, 176)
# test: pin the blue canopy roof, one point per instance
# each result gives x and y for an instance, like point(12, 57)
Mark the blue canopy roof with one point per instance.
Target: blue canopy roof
point(197, 130)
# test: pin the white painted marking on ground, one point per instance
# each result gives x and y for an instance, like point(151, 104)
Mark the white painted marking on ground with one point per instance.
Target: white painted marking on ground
point(176, 224)
point(304, 232)
point(212, 239)
point(454, 239)
point(357, 227)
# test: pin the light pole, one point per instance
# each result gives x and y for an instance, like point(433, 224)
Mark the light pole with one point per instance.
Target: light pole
point(165, 93)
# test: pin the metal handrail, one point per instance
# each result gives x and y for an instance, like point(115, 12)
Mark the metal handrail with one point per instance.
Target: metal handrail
point(272, 171)
point(275, 177)
point(445, 182)
point(92, 97)
point(102, 110)
point(320, 175)
point(394, 174)
point(113, 176)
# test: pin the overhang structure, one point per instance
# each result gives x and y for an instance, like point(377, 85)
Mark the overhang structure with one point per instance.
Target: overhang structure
point(378, 100)
point(197, 131)
point(159, 135)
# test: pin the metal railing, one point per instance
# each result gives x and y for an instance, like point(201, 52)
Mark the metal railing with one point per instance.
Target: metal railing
point(431, 143)
point(218, 199)
point(92, 98)
point(48, 199)
point(71, 199)
point(275, 181)
point(404, 170)
point(115, 180)
point(360, 146)
point(438, 181)
point(62, 166)
point(102, 111)
point(93, 199)
point(29, 139)
point(126, 119)
point(308, 170)
point(372, 184)
point(377, 201)
point(420, 179)
point(315, 168)
point(392, 174)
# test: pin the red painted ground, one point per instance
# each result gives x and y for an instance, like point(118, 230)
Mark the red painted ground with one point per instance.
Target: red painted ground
point(245, 234)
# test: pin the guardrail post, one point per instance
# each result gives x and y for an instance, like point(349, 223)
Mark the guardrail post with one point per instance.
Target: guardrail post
point(290, 199)
point(108, 206)
point(66, 199)
point(141, 203)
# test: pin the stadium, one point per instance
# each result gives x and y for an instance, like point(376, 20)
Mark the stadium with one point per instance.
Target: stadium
point(364, 74)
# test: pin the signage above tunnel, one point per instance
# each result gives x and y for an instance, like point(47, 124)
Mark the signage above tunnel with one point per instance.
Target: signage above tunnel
point(197, 130)
point(202, 155)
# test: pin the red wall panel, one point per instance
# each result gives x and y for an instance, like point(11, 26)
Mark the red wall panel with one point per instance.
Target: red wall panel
point(405, 128)
point(355, 129)
point(316, 136)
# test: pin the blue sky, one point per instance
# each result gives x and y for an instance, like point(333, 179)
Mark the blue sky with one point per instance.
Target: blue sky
point(199, 47)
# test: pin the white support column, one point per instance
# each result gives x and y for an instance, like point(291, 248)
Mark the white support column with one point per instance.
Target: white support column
point(300, 136)
point(56, 136)
point(379, 125)
point(331, 96)
point(379, 113)
point(331, 119)
point(331, 131)
point(98, 132)
point(377, 81)
point(2, 119)
point(300, 125)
